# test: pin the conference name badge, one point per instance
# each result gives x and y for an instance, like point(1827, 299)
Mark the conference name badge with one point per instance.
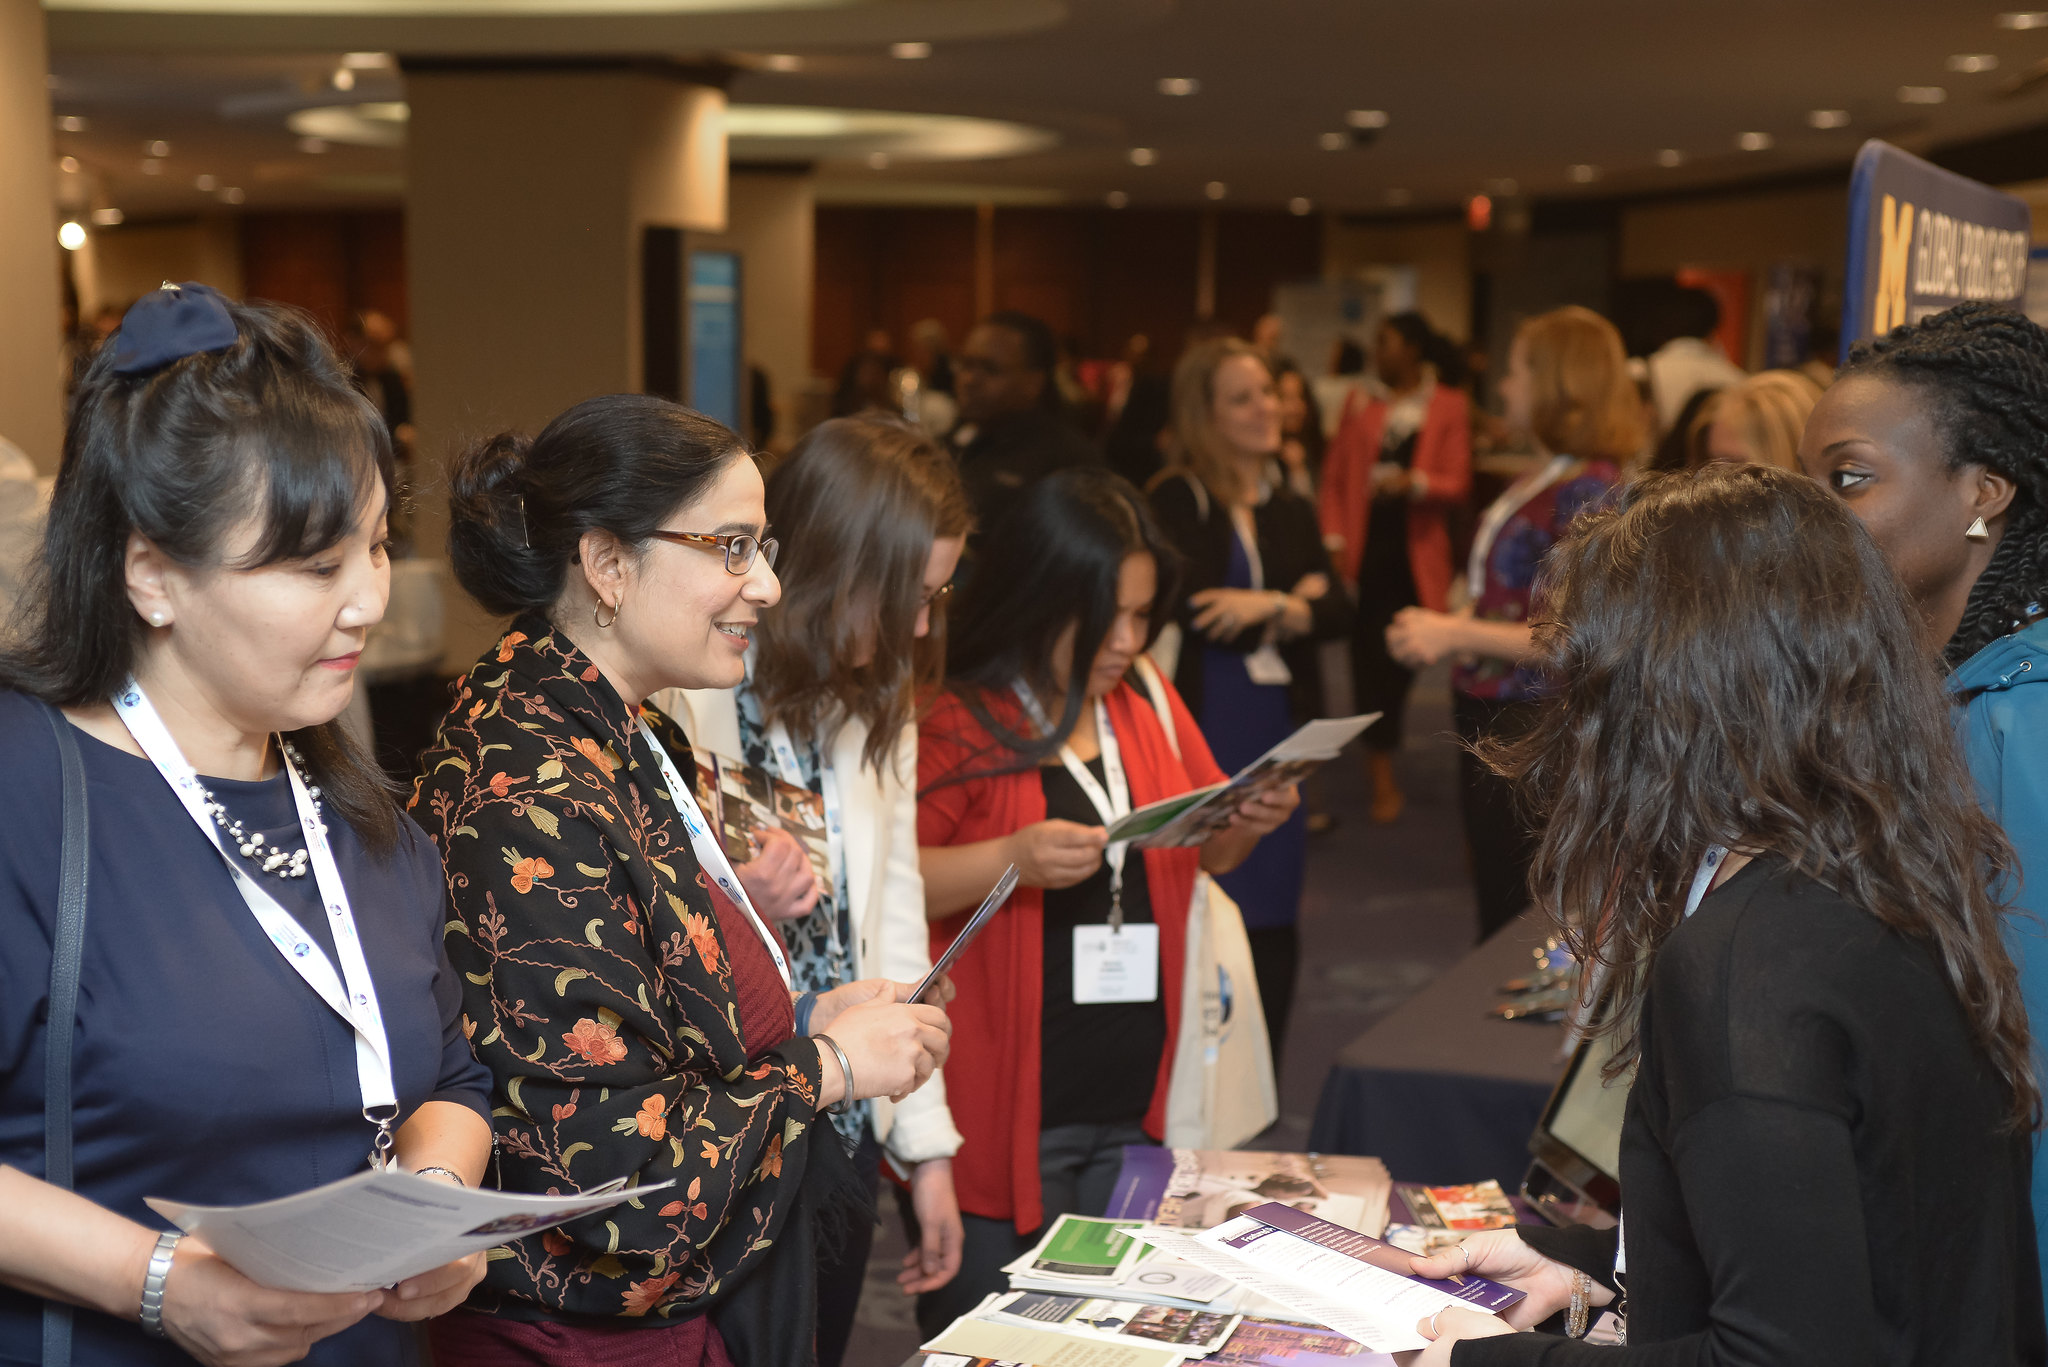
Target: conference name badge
point(1116, 964)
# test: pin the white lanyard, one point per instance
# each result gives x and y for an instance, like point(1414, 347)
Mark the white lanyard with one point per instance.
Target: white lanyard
point(351, 992)
point(780, 745)
point(1112, 806)
point(710, 854)
point(1496, 517)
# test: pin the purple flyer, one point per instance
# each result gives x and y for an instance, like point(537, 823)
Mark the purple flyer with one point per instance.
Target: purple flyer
point(1482, 1294)
point(1142, 1184)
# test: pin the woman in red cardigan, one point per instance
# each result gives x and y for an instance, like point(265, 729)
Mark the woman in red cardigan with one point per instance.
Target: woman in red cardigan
point(1396, 469)
point(1068, 1004)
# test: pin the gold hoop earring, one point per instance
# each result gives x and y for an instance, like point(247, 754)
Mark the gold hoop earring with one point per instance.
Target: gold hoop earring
point(1977, 531)
point(601, 606)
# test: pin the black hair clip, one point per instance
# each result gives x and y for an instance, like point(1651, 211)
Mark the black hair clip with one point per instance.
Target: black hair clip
point(170, 324)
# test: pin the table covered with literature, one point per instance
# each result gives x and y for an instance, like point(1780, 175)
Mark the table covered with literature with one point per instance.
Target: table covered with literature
point(1441, 1091)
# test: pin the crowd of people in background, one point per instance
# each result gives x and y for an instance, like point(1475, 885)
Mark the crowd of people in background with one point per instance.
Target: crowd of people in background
point(1697, 637)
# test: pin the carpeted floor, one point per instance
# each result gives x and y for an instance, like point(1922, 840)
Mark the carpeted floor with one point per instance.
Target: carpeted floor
point(1387, 908)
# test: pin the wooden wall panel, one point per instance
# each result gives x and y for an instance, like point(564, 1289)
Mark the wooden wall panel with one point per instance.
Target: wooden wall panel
point(1255, 252)
point(888, 268)
point(330, 264)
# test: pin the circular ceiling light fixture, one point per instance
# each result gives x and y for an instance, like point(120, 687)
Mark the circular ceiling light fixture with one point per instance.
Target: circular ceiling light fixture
point(342, 79)
point(2023, 19)
point(107, 218)
point(232, 195)
point(1827, 118)
point(1334, 142)
point(1583, 174)
point(1301, 206)
point(207, 183)
point(377, 123)
point(910, 52)
point(1143, 156)
point(1215, 189)
point(1116, 199)
point(152, 167)
point(1755, 142)
point(72, 123)
point(158, 148)
point(1367, 118)
point(1178, 85)
point(783, 61)
point(1970, 63)
point(68, 165)
point(71, 236)
point(1922, 94)
point(1670, 156)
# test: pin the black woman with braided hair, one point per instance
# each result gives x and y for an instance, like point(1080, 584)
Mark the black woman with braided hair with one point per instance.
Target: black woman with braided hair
point(1937, 437)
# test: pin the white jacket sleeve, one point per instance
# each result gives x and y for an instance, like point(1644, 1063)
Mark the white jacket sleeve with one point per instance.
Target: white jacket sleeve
point(921, 1126)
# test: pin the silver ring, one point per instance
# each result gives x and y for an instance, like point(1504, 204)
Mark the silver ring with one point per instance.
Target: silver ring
point(1466, 1254)
point(1435, 1332)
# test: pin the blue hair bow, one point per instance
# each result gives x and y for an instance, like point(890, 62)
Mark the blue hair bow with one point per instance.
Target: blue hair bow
point(170, 324)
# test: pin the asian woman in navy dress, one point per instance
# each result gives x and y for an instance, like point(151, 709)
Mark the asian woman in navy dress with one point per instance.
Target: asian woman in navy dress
point(217, 539)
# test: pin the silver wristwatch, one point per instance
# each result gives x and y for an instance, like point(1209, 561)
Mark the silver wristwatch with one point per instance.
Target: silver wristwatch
point(153, 1283)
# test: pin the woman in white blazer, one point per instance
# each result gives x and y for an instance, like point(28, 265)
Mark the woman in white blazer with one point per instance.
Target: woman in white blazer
point(872, 520)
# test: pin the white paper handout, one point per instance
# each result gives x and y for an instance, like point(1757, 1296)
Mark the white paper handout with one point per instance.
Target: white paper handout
point(376, 1229)
point(1191, 818)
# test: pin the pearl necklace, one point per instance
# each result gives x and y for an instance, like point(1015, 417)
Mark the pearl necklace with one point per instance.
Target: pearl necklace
point(268, 858)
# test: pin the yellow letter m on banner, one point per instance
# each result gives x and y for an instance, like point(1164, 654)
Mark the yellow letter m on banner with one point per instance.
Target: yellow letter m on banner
point(1895, 239)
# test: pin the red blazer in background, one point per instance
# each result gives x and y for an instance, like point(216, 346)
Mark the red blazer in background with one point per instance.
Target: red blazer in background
point(992, 1075)
point(1443, 457)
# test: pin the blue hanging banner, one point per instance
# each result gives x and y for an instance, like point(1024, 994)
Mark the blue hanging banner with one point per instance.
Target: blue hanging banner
point(1922, 239)
point(717, 362)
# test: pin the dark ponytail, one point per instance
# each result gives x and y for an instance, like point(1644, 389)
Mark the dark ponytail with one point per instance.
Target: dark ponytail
point(621, 463)
point(1987, 370)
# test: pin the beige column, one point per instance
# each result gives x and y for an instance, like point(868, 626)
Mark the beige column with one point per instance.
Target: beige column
point(31, 319)
point(527, 190)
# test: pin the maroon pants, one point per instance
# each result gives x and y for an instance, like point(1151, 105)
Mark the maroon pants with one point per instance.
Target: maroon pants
point(467, 1339)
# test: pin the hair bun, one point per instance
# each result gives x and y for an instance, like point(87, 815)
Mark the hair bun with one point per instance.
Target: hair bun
point(490, 543)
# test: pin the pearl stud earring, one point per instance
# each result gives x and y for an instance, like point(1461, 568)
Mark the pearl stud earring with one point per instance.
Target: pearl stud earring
point(159, 617)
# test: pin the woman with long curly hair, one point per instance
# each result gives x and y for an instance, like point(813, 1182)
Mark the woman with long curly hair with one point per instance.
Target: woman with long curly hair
point(1761, 834)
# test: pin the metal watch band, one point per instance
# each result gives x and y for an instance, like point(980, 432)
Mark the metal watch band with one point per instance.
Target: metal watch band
point(153, 1283)
point(449, 1173)
point(845, 1103)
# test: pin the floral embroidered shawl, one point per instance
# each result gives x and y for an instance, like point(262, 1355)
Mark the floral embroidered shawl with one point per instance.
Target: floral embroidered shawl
point(598, 992)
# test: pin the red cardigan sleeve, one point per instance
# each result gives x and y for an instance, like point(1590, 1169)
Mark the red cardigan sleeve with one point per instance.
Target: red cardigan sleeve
point(1446, 460)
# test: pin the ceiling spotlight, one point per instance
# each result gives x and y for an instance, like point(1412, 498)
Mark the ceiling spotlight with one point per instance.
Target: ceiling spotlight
point(1584, 175)
point(232, 195)
point(71, 236)
point(1116, 199)
point(1827, 118)
point(343, 79)
point(107, 218)
point(1670, 156)
point(1503, 186)
point(1397, 198)
point(72, 123)
point(1479, 213)
point(1178, 85)
point(878, 161)
point(1922, 94)
point(152, 167)
point(1970, 63)
point(1334, 142)
point(910, 52)
point(1215, 189)
point(1755, 142)
point(313, 146)
point(206, 183)
point(782, 61)
point(1367, 118)
point(68, 165)
point(2024, 19)
point(368, 61)
point(1300, 206)
point(159, 148)
point(1143, 156)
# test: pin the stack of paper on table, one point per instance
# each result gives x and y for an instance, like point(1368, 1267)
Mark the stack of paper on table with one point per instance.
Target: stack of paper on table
point(1201, 1188)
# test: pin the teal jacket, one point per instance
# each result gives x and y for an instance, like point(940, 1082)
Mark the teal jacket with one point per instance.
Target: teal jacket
point(2003, 690)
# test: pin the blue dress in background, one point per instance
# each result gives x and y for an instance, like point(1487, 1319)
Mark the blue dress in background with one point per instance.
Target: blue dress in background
point(204, 1068)
point(1242, 720)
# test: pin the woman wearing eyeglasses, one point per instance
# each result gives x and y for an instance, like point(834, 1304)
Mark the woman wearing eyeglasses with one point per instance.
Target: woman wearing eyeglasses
point(635, 1011)
point(875, 519)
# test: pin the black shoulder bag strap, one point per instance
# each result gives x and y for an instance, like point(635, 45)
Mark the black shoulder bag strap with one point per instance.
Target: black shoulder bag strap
point(66, 950)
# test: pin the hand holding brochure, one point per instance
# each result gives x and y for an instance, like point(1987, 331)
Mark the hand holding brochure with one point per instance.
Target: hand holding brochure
point(376, 1229)
point(990, 905)
point(1191, 818)
point(1356, 1284)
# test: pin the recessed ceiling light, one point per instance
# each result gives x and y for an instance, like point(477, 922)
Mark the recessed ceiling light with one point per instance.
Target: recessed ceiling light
point(152, 167)
point(1215, 189)
point(159, 148)
point(1584, 175)
point(1301, 206)
point(878, 161)
point(369, 61)
point(343, 79)
point(2024, 19)
point(1143, 156)
point(71, 236)
point(1116, 199)
point(72, 123)
point(1670, 156)
point(1970, 63)
point(910, 52)
point(1178, 85)
point(313, 146)
point(782, 61)
point(1755, 142)
point(1367, 118)
point(1827, 118)
point(1399, 197)
point(69, 165)
point(206, 183)
point(1334, 142)
point(1922, 94)
point(232, 195)
point(1504, 186)
point(107, 218)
